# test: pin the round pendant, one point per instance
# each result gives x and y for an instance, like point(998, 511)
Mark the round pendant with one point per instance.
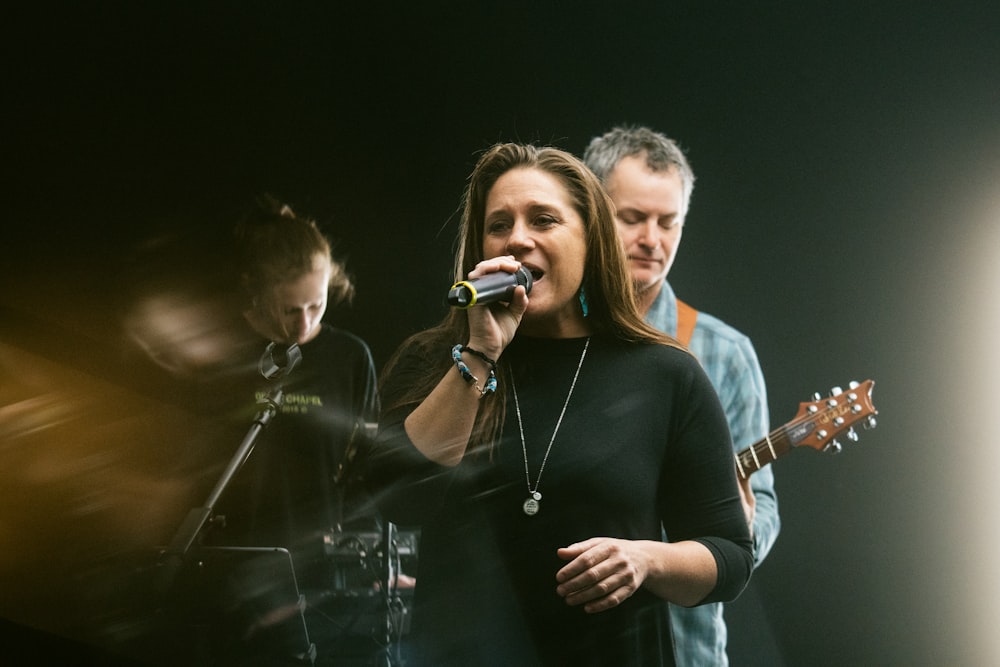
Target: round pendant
point(530, 507)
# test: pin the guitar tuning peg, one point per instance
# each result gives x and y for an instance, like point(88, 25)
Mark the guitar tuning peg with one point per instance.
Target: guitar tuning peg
point(833, 447)
point(852, 435)
point(871, 422)
point(836, 391)
point(817, 396)
point(854, 384)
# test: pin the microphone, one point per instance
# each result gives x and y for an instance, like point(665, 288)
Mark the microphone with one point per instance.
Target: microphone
point(498, 286)
point(279, 360)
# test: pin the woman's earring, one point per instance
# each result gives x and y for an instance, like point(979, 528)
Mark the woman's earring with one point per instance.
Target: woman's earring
point(583, 301)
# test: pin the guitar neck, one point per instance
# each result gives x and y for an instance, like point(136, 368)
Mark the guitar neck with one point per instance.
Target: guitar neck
point(775, 444)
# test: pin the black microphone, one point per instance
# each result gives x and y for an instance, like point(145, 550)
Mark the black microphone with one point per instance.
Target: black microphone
point(279, 360)
point(498, 286)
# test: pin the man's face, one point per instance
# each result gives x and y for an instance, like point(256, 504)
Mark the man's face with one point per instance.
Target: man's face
point(650, 210)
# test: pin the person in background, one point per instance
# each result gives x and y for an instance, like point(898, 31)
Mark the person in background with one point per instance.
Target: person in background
point(299, 487)
point(290, 278)
point(230, 319)
point(542, 441)
point(650, 182)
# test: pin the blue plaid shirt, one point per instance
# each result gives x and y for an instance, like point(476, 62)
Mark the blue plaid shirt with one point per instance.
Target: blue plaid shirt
point(730, 361)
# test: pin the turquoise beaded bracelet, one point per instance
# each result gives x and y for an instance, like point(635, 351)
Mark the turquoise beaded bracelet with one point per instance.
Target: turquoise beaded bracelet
point(491, 380)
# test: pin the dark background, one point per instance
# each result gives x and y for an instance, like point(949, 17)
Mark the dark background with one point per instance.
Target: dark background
point(845, 217)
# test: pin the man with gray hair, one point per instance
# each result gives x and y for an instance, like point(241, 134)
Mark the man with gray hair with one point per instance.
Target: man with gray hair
point(650, 181)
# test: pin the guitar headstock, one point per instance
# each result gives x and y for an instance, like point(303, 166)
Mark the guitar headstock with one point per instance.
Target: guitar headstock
point(820, 422)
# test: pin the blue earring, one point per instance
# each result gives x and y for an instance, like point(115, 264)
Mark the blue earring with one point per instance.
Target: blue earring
point(583, 301)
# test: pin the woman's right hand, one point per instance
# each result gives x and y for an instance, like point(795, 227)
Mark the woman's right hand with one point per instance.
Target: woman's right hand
point(441, 425)
point(492, 327)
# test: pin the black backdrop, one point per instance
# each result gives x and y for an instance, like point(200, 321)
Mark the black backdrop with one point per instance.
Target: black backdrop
point(845, 217)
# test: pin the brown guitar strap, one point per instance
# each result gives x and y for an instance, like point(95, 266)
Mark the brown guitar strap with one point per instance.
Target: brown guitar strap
point(686, 319)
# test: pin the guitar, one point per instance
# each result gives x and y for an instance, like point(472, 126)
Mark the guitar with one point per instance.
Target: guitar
point(817, 425)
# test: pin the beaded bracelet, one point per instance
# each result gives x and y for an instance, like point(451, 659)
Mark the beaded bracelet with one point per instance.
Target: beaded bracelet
point(491, 380)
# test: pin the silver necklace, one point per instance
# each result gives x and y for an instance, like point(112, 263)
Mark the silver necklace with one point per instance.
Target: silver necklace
point(531, 505)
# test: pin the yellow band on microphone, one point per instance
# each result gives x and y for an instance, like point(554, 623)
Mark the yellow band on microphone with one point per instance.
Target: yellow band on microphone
point(472, 293)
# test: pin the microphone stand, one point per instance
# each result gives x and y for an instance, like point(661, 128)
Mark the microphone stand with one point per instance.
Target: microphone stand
point(198, 517)
point(276, 362)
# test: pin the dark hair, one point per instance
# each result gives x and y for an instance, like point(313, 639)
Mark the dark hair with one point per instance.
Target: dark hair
point(606, 279)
